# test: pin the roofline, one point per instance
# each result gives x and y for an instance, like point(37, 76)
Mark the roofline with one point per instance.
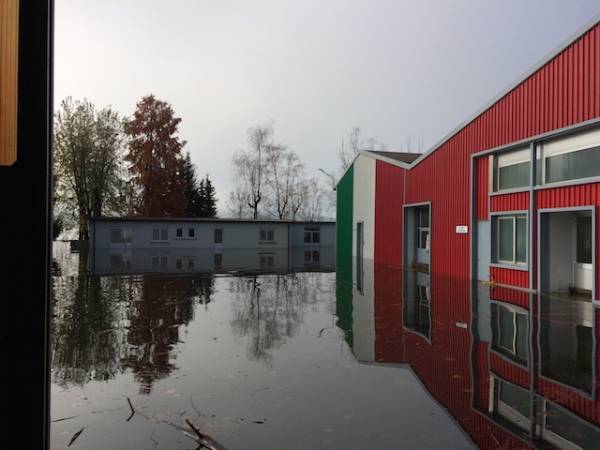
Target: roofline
point(393, 162)
point(207, 220)
point(545, 60)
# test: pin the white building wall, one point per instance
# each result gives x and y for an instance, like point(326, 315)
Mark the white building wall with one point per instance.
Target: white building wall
point(364, 203)
point(235, 235)
point(363, 315)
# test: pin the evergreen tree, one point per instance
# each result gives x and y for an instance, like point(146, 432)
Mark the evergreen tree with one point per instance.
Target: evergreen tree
point(208, 198)
point(192, 192)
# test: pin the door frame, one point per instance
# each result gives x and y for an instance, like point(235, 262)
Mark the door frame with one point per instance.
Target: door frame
point(590, 208)
point(405, 234)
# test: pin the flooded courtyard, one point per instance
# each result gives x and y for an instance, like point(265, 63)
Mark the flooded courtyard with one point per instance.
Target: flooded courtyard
point(268, 358)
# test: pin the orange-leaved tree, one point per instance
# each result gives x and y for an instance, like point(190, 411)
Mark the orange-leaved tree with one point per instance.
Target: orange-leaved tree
point(155, 158)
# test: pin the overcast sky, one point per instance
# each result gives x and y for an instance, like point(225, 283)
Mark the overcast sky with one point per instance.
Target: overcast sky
point(316, 68)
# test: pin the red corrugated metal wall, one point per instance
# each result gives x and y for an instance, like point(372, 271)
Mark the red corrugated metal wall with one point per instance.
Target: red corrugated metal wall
point(518, 201)
point(563, 92)
point(389, 332)
point(509, 277)
point(389, 194)
point(509, 371)
point(508, 295)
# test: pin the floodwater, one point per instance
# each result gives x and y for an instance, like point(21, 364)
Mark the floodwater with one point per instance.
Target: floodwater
point(306, 358)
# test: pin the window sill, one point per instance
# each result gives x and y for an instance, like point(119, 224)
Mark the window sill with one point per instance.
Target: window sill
point(185, 238)
point(521, 267)
point(575, 182)
point(159, 241)
point(267, 242)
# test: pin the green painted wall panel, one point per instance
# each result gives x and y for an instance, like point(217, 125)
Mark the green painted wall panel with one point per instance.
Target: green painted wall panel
point(343, 224)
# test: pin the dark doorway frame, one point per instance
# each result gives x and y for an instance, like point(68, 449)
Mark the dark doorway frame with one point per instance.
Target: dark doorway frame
point(25, 218)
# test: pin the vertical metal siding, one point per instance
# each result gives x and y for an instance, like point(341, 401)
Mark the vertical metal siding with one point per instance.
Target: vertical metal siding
point(344, 206)
point(559, 94)
point(508, 295)
point(517, 201)
point(509, 371)
point(510, 277)
point(389, 197)
point(483, 187)
point(389, 333)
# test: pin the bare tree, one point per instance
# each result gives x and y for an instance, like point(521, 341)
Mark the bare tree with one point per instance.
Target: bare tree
point(313, 204)
point(298, 197)
point(284, 169)
point(353, 143)
point(238, 202)
point(250, 166)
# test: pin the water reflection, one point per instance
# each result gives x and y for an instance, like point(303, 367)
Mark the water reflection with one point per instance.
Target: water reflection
point(308, 352)
point(513, 368)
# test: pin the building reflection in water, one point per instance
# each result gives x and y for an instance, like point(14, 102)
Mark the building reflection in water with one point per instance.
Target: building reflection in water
point(131, 320)
point(515, 370)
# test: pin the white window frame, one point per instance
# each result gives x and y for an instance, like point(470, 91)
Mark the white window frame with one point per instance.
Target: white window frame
point(312, 231)
point(514, 218)
point(514, 313)
point(506, 159)
point(160, 235)
point(267, 231)
point(563, 145)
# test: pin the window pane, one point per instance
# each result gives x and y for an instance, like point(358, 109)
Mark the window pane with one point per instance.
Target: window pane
point(218, 236)
point(522, 345)
point(263, 235)
point(178, 264)
point(506, 328)
point(155, 235)
point(521, 239)
point(164, 234)
point(307, 256)
point(315, 256)
point(505, 240)
point(179, 232)
point(513, 176)
point(316, 237)
point(584, 239)
point(191, 232)
point(307, 236)
point(270, 235)
point(574, 165)
point(515, 397)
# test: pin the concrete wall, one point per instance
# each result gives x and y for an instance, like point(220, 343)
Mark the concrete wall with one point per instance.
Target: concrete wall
point(364, 203)
point(235, 235)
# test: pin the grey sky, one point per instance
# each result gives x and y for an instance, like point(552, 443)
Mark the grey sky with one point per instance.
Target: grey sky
point(395, 68)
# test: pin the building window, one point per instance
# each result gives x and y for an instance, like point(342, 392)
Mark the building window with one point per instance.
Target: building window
point(160, 234)
point(163, 261)
point(218, 261)
point(513, 403)
point(190, 264)
point(120, 261)
point(155, 262)
point(218, 236)
point(191, 233)
point(267, 235)
point(179, 232)
point(178, 263)
point(312, 235)
point(120, 235)
point(312, 256)
point(511, 169)
point(510, 331)
point(267, 262)
point(571, 158)
point(511, 239)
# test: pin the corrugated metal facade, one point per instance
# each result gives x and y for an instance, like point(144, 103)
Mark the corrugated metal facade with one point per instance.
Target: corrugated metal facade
point(509, 277)
point(563, 92)
point(510, 371)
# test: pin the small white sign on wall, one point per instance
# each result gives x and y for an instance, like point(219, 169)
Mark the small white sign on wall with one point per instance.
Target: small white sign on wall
point(462, 229)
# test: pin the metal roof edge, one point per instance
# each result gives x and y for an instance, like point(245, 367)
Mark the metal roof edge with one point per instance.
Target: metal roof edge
point(367, 153)
point(545, 60)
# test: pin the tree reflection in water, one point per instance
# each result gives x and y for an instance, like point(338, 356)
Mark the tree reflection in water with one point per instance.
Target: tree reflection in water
point(105, 325)
point(268, 309)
